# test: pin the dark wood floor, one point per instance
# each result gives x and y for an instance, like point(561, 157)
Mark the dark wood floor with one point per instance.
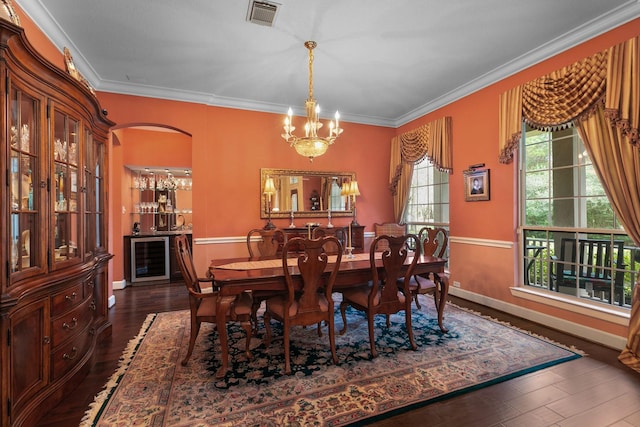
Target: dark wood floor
point(592, 391)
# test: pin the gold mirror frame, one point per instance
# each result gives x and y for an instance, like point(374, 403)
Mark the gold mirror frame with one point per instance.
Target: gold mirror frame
point(287, 189)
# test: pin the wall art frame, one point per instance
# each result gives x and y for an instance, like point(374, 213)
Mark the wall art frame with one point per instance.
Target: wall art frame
point(476, 185)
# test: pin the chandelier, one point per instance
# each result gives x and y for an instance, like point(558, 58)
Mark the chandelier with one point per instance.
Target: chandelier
point(311, 145)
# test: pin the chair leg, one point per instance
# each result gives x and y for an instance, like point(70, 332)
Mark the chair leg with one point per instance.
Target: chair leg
point(332, 340)
point(195, 328)
point(388, 322)
point(254, 315)
point(267, 328)
point(372, 340)
point(407, 313)
point(436, 295)
point(287, 349)
point(343, 309)
point(415, 296)
point(247, 326)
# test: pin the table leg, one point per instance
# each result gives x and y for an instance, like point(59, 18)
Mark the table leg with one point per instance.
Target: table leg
point(221, 324)
point(444, 291)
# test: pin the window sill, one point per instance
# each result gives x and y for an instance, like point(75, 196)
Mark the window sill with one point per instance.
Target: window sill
point(615, 315)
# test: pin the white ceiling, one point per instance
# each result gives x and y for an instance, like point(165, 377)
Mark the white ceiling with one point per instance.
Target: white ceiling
point(378, 61)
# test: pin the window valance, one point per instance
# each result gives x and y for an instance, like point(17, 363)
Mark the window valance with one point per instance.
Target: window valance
point(432, 141)
point(557, 99)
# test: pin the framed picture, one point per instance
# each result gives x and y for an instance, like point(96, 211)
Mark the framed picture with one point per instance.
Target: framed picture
point(476, 185)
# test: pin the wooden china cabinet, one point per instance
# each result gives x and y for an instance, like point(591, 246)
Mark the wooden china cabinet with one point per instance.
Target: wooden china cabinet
point(53, 255)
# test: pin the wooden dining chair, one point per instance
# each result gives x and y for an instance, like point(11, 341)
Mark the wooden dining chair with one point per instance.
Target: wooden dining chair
point(308, 300)
point(434, 243)
point(338, 232)
point(263, 243)
point(382, 295)
point(203, 297)
point(388, 229)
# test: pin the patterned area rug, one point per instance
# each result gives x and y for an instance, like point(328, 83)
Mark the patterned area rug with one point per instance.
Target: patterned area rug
point(152, 388)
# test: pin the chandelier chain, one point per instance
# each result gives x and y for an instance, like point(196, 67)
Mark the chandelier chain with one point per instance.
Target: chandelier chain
point(310, 72)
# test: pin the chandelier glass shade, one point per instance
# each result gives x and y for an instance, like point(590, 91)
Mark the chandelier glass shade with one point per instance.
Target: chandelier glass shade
point(311, 145)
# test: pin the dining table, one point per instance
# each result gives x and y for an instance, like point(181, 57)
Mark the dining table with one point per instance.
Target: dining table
point(232, 276)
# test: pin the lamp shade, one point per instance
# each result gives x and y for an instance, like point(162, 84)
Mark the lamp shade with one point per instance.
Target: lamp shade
point(269, 186)
point(353, 188)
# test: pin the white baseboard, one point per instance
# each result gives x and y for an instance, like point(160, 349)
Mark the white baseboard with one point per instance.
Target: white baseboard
point(594, 335)
point(120, 284)
point(112, 301)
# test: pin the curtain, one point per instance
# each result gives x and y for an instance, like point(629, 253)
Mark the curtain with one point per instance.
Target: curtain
point(432, 140)
point(510, 123)
point(622, 110)
point(600, 95)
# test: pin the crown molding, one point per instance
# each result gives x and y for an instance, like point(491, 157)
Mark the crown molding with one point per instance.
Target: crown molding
point(38, 13)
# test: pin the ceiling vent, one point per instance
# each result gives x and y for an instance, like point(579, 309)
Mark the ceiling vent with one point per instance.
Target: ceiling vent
point(262, 13)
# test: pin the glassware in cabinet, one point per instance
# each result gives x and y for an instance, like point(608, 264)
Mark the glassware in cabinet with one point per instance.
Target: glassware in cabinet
point(24, 176)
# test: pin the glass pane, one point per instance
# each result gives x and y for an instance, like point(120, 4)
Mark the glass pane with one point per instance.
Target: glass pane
point(15, 247)
point(73, 190)
point(537, 212)
point(98, 223)
point(537, 156)
point(73, 142)
point(23, 236)
point(600, 213)
point(593, 185)
point(72, 243)
point(61, 234)
point(564, 182)
point(15, 180)
point(536, 256)
point(60, 199)
point(563, 213)
point(537, 185)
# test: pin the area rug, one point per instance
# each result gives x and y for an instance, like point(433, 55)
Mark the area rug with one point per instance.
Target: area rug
point(152, 388)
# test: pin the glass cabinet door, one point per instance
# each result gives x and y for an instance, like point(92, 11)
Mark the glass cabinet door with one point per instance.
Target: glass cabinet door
point(94, 196)
point(64, 188)
point(24, 188)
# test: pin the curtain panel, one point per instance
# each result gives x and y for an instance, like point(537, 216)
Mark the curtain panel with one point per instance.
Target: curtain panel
point(431, 140)
point(600, 96)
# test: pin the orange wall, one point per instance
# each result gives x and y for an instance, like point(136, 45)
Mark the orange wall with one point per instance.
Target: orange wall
point(230, 146)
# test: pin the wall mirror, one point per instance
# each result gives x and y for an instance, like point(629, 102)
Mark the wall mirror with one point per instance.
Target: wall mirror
point(305, 193)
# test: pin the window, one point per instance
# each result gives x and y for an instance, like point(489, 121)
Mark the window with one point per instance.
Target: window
point(572, 242)
point(428, 202)
point(338, 200)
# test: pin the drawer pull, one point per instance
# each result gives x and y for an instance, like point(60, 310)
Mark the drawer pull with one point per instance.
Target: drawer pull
point(74, 323)
point(71, 297)
point(73, 355)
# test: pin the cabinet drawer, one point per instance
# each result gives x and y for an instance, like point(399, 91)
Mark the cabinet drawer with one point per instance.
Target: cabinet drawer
point(72, 322)
point(66, 300)
point(66, 356)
